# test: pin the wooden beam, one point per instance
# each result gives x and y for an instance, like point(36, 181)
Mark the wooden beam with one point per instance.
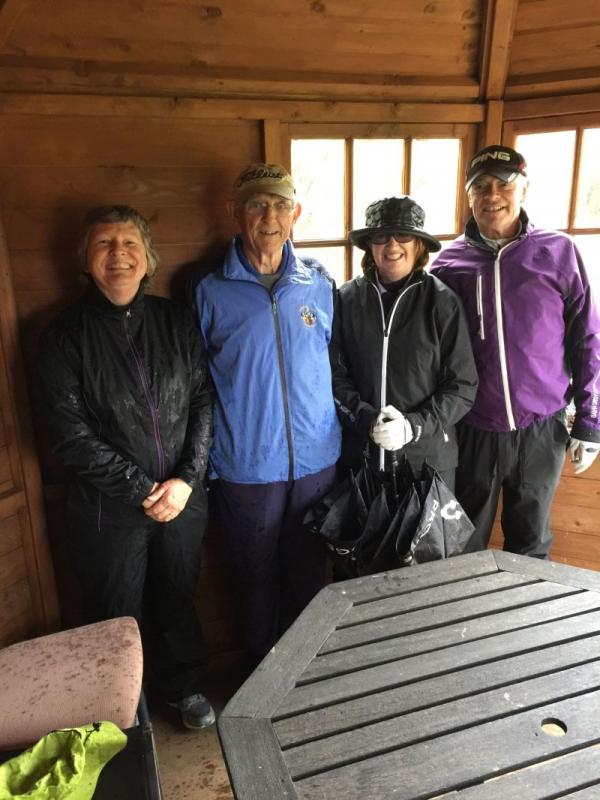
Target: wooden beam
point(552, 106)
point(10, 12)
point(492, 130)
point(35, 540)
point(574, 82)
point(282, 110)
point(273, 142)
point(497, 39)
point(28, 74)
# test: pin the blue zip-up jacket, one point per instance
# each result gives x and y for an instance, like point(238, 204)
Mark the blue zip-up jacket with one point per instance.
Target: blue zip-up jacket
point(274, 416)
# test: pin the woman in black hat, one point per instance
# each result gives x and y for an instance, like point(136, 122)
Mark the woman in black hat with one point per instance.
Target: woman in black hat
point(403, 368)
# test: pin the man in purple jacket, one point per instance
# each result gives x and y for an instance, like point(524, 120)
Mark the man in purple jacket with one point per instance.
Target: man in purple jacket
point(536, 339)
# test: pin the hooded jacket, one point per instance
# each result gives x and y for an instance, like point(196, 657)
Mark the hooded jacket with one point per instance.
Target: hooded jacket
point(418, 360)
point(533, 327)
point(129, 397)
point(268, 354)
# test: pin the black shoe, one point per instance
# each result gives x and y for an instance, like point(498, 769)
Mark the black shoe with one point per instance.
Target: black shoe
point(196, 712)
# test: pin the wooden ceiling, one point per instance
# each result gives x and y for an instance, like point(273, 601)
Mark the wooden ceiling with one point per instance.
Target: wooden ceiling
point(448, 50)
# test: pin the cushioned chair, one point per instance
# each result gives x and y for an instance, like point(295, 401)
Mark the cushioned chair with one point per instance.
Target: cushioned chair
point(76, 677)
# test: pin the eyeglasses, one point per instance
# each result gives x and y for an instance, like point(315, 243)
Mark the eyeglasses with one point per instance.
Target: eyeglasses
point(260, 207)
point(383, 238)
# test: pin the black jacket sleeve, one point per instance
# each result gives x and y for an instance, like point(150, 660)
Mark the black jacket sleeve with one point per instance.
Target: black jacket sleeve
point(353, 412)
point(457, 381)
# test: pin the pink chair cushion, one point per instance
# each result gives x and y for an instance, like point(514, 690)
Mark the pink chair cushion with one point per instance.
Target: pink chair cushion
point(68, 679)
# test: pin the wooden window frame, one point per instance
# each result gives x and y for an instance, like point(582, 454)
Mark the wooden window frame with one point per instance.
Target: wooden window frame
point(570, 122)
point(465, 132)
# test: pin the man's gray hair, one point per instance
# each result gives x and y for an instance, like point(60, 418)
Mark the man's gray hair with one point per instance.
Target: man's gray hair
point(113, 214)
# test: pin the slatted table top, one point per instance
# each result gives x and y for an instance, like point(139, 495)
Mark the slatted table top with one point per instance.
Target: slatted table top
point(476, 677)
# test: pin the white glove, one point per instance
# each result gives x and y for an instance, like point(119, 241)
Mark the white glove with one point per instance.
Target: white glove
point(391, 430)
point(583, 454)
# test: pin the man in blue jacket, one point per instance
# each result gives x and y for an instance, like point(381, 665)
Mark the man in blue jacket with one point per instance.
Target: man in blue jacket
point(536, 339)
point(265, 317)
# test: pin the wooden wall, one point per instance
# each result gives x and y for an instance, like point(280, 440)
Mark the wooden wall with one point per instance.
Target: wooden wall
point(53, 168)
point(27, 591)
point(174, 160)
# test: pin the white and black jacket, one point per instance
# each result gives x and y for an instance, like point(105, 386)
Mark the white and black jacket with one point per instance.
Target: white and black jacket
point(419, 360)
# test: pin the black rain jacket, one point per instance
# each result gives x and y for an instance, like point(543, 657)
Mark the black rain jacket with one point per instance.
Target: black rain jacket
point(419, 360)
point(129, 398)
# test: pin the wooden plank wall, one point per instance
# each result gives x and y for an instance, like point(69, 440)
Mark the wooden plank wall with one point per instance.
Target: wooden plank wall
point(53, 168)
point(176, 166)
point(27, 591)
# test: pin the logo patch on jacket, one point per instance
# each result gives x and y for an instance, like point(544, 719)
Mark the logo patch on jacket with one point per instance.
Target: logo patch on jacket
point(308, 316)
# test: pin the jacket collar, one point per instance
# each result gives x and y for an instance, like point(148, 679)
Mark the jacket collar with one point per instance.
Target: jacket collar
point(292, 269)
point(473, 236)
point(100, 304)
point(415, 277)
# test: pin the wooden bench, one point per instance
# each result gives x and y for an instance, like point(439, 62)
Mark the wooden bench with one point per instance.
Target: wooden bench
point(479, 675)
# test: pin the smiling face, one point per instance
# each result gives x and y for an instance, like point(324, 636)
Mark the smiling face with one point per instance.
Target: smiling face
point(394, 260)
point(496, 205)
point(266, 222)
point(116, 260)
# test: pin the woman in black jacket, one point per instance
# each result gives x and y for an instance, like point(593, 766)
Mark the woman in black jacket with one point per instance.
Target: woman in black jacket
point(130, 414)
point(403, 368)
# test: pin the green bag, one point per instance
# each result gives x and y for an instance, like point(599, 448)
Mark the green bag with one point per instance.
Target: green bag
point(63, 765)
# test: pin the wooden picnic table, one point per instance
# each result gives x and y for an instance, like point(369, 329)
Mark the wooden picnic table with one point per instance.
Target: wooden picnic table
point(475, 677)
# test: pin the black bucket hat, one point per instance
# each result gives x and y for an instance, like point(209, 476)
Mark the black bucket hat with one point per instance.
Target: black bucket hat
point(394, 215)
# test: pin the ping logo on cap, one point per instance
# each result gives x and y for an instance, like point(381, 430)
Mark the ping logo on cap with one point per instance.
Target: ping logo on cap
point(500, 155)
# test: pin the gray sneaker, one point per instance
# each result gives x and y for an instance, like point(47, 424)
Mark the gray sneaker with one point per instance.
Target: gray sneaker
point(196, 712)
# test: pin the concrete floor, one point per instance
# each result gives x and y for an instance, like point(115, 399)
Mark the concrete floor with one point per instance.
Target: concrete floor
point(191, 763)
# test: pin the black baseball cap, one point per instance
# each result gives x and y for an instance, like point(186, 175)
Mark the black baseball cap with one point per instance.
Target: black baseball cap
point(497, 160)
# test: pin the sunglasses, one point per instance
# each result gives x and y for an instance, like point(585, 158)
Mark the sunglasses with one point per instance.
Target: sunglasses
point(383, 238)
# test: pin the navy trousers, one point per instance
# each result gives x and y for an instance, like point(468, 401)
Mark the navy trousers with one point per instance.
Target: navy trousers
point(277, 567)
point(525, 465)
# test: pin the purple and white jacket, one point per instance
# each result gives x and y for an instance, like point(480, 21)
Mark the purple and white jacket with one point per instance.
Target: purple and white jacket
point(534, 328)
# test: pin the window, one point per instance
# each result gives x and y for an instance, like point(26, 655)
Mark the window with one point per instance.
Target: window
point(564, 192)
point(337, 176)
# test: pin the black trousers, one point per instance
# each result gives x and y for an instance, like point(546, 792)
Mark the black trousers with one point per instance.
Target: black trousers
point(277, 566)
point(525, 465)
point(136, 567)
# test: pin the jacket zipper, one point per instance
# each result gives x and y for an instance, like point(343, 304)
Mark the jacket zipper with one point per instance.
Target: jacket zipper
point(480, 306)
point(144, 381)
point(286, 410)
point(501, 342)
point(384, 353)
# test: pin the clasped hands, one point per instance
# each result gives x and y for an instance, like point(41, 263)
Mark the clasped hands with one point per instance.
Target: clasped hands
point(583, 454)
point(167, 500)
point(391, 430)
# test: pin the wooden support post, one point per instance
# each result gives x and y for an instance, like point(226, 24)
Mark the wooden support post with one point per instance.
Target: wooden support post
point(21, 501)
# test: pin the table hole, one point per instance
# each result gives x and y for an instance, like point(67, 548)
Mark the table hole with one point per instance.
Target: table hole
point(554, 727)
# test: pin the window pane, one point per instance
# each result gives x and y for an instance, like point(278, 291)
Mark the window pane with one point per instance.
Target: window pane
point(318, 170)
point(433, 182)
point(587, 213)
point(378, 165)
point(332, 259)
point(589, 247)
point(550, 158)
